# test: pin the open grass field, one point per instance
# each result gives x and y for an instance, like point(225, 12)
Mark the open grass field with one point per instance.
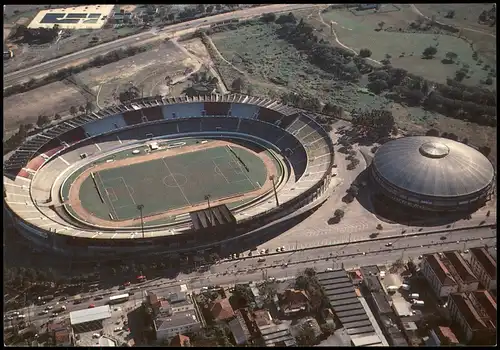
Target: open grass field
point(358, 32)
point(172, 182)
point(258, 52)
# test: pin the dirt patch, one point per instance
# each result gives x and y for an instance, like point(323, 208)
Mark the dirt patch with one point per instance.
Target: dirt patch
point(147, 71)
point(48, 100)
point(74, 198)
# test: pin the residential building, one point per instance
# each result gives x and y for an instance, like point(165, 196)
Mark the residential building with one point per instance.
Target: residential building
point(294, 301)
point(438, 275)
point(475, 315)
point(277, 335)
point(180, 340)
point(60, 332)
point(239, 329)
point(171, 319)
point(460, 271)
point(443, 335)
point(221, 310)
point(484, 267)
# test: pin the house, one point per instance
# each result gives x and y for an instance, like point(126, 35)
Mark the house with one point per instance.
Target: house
point(484, 267)
point(60, 332)
point(221, 309)
point(294, 301)
point(475, 315)
point(239, 329)
point(438, 275)
point(460, 271)
point(277, 335)
point(180, 340)
point(262, 318)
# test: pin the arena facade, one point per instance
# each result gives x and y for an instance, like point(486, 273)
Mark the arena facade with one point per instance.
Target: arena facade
point(433, 173)
point(279, 148)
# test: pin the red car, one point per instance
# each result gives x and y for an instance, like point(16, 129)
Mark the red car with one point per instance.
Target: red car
point(126, 284)
point(91, 306)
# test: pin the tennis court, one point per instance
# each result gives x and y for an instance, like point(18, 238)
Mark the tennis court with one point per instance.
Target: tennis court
point(172, 182)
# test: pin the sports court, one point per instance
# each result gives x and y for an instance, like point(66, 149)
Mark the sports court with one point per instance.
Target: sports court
point(172, 182)
point(80, 17)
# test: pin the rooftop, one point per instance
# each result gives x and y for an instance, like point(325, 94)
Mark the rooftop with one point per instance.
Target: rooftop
point(468, 311)
point(89, 315)
point(439, 269)
point(221, 309)
point(180, 340)
point(446, 332)
point(486, 301)
point(105, 341)
point(176, 320)
point(486, 260)
point(460, 266)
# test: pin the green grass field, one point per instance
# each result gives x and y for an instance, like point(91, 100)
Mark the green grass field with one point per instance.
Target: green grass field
point(172, 182)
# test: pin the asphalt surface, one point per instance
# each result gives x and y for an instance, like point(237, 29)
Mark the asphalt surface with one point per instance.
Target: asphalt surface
point(47, 67)
point(250, 269)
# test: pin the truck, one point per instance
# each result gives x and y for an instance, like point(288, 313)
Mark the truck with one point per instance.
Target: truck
point(77, 299)
point(60, 309)
point(46, 298)
point(414, 296)
point(392, 289)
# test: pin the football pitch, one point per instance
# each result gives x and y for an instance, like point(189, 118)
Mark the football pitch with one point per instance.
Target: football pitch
point(172, 182)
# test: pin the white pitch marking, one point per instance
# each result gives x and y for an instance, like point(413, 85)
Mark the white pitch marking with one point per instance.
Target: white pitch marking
point(64, 160)
point(99, 148)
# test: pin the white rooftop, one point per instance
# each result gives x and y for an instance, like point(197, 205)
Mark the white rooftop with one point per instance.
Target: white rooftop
point(89, 315)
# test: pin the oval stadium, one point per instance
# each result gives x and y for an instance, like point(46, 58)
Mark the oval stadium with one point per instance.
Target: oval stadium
point(167, 174)
point(432, 173)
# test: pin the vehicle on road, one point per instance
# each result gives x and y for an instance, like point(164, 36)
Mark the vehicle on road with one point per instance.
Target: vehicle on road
point(141, 279)
point(277, 250)
point(121, 287)
point(282, 248)
point(442, 238)
point(126, 284)
point(49, 307)
point(417, 303)
point(64, 298)
point(329, 269)
point(267, 251)
point(117, 329)
point(99, 297)
point(43, 312)
point(414, 295)
point(91, 306)
point(116, 299)
point(261, 260)
point(60, 309)
point(388, 244)
point(420, 257)
point(95, 335)
point(392, 289)
point(374, 235)
point(466, 251)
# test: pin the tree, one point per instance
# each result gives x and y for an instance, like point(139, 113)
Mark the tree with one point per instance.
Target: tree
point(460, 75)
point(327, 329)
point(210, 8)
point(72, 110)
point(81, 109)
point(89, 106)
point(218, 7)
point(365, 53)
point(306, 337)
point(42, 120)
point(451, 56)
point(377, 86)
point(268, 17)
point(429, 52)
point(237, 85)
point(57, 116)
point(432, 132)
point(450, 14)
point(339, 213)
point(485, 150)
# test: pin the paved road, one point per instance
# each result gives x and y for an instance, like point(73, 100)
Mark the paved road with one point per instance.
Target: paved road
point(78, 57)
point(249, 269)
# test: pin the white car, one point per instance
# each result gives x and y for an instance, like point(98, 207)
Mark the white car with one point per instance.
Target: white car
point(95, 335)
point(329, 269)
point(49, 307)
point(21, 316)
point(466, 251)
point(117, 329)
point(282, 248)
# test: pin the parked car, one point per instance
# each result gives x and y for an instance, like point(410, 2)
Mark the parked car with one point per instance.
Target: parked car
point(91, 306)
point(388, 244)
point(282, 248)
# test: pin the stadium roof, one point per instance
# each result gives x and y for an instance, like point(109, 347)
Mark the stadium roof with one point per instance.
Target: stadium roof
point(433, 166)
point(89, 315)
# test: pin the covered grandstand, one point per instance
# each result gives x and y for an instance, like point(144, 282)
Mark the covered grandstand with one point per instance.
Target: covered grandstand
point(35, 172)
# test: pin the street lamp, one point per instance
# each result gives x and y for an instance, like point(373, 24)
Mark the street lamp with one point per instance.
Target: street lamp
point(274, 189)
point(207, 198)
point(140, 207)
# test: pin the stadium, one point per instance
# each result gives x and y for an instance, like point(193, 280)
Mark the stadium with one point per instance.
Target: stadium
point(432, 174)
point(167, 174)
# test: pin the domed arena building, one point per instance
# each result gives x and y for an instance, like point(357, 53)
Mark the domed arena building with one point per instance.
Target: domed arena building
point(432, 173)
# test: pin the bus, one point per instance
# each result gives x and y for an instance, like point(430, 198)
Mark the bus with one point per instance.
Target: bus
point(115, 299)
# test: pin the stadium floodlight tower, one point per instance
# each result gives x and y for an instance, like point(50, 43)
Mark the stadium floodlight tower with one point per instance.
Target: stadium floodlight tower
point(272, 177)
point(140, 207)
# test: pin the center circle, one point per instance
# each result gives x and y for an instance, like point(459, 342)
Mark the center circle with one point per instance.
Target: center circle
point(434, 150)
point(175, 180)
